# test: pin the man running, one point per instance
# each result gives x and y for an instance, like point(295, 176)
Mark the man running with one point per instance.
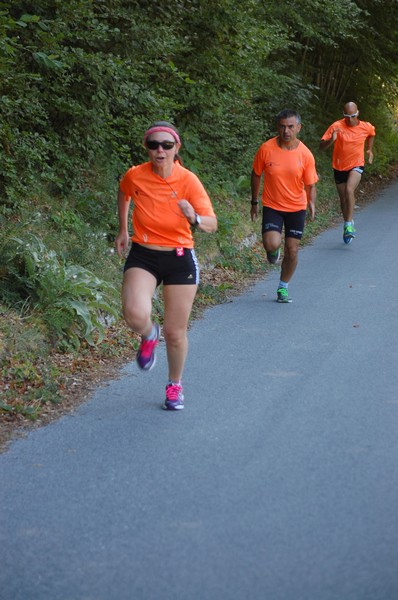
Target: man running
point(349, 136)
point(289, 188)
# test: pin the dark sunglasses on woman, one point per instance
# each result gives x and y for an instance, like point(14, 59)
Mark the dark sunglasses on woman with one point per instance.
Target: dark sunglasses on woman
point(154, 144)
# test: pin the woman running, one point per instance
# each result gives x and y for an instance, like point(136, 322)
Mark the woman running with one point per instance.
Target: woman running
point(168, 202)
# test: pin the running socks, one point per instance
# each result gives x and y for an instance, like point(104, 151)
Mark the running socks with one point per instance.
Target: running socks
point(153, 335)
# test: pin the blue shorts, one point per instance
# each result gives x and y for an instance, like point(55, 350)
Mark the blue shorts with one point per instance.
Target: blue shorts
point(274, 220)
point(167, 266)
point(342, 176)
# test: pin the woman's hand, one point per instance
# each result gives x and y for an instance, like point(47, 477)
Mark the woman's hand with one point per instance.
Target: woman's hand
point(207, 224)
point(187, 210)
point(122, 244)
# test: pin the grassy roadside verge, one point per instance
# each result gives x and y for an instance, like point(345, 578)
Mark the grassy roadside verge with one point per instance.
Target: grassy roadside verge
point(39, 385)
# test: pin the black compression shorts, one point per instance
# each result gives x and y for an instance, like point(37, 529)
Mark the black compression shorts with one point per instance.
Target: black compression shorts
point(170, 267)
point(342, 176)
point(274, 220)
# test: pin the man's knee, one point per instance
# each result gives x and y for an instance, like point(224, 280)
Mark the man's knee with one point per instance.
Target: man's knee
point(354, 179)
point(271, 242)
point(351, 190)
point(291, 251)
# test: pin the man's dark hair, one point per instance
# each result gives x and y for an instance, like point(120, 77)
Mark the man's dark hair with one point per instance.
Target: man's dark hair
point(287, 113)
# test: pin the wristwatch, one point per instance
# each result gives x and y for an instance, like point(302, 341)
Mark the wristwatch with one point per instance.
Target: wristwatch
point(198, 220)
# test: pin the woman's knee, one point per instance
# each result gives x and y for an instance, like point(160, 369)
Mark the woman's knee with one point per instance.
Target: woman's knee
point(174, 337)
point(136, 318)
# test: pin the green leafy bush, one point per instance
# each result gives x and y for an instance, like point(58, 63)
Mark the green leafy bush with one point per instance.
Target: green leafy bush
point(75, 304)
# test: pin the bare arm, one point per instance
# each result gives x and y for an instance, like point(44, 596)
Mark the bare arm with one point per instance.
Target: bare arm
point(207, 224)
point(123, 238)
point(255, 188)
point(325, 144)
point(310, 190)
point(369, 150)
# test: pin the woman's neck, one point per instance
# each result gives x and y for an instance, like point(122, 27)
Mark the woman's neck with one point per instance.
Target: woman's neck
point(163, 172)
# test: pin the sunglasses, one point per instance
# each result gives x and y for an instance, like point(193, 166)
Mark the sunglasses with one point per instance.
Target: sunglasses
point(350, 116)
point(154, 144)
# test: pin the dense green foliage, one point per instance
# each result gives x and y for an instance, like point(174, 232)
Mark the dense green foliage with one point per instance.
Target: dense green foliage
point(81, 80)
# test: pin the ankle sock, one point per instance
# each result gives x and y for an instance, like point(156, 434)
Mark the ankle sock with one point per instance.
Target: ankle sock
point(152, 335)
point(283, 284)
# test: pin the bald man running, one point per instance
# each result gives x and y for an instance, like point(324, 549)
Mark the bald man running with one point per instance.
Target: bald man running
point(349, 136)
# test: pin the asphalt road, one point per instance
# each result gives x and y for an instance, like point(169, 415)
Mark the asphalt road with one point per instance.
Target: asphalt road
point(279, 480)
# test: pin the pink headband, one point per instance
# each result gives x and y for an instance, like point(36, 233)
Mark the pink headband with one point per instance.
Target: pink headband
point(162, 128)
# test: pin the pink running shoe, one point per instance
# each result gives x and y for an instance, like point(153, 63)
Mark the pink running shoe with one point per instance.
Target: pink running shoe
point(146, 357)
point(174, 397)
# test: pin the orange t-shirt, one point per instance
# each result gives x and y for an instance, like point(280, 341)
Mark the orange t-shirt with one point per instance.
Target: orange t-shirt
point(157, 218)
point(286, 173)
point(348, 150)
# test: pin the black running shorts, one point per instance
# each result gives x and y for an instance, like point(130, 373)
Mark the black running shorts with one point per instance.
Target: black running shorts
point(170, 267)
point(342, 176)
point(274, 220)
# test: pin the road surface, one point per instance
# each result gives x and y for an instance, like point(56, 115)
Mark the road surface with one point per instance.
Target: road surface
point(279, 480)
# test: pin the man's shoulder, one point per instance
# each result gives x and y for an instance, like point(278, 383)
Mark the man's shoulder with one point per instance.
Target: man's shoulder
point(304, 149)
point(338, 123)
point(367, 125)
point(270, 143)
point(268, 146)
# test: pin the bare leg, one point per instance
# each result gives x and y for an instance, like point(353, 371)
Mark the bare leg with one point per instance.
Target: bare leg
point(341, 191)
point(271, 241)
point(346, 193)
point(290, 258)
point(137, 292)
point(178, 301)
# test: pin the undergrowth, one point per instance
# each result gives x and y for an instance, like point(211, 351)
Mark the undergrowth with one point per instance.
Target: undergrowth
point(60, 286)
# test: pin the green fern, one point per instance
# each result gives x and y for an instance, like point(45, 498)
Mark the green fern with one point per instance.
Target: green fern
point(74, 302)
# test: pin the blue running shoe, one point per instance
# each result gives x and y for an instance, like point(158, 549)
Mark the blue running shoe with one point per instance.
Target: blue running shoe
point(174, 397)
point(348, 234)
